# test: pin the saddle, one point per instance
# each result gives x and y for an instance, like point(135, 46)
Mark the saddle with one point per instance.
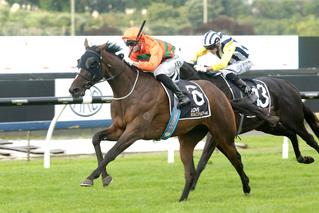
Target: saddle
point(258, 86)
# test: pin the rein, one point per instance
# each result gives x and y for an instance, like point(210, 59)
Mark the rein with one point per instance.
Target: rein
point(128, 94)
point(118, 74)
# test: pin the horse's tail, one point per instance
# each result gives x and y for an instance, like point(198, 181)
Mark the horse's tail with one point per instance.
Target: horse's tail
point(311, 119)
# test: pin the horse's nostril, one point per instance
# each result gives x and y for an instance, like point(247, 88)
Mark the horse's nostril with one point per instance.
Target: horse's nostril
point(74, 90)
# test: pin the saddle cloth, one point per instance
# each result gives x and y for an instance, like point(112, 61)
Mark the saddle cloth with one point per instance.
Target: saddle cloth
point(198, 108)
point(258, 87)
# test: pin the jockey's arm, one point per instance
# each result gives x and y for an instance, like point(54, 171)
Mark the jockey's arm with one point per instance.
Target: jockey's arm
point(133, 57)
point(200, 53)
point(156, 53)
point(228, 50)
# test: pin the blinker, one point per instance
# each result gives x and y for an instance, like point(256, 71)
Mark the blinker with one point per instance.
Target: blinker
point(90, 61)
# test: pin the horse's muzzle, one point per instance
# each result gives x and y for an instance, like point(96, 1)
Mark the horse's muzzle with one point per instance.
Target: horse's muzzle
point(76, 92)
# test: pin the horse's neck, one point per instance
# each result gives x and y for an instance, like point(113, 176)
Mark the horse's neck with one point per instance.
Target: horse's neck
point(123, 84)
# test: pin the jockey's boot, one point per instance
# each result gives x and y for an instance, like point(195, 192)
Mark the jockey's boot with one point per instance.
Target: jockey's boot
point(170, 84)
point(249, 92)
point(271, 119)
point(245, 89)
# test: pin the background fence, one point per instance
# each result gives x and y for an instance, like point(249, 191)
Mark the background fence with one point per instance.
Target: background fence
point(40, 113)
point(27, 101)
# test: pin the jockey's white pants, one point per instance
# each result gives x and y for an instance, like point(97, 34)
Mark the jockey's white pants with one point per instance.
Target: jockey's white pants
point(170, 67)
point(237, 68)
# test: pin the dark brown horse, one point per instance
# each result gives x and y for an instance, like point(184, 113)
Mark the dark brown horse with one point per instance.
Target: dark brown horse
point(286, 104)
point(139, 110)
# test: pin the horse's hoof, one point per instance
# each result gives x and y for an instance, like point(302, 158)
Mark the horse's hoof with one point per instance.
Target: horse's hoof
point(309, 159)
point(182, 199)
point(87, 183)
point(246, 190)
point(106, 181)
point(306, 159)
point(193, 186)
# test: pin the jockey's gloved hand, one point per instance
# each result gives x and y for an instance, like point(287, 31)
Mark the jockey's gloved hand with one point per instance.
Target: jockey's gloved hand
point(192, 62)
point(200, 68)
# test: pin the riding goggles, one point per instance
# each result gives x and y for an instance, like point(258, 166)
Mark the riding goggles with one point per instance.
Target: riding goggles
point(131, 43)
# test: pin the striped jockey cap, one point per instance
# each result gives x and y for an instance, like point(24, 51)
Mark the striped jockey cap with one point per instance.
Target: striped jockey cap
point(211, 38)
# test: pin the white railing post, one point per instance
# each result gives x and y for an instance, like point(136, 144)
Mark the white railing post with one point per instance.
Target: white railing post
point(285, 148)
point(170, 151)
point(46, 157)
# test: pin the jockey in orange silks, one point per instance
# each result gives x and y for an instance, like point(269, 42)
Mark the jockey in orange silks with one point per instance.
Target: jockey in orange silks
point(156, 56)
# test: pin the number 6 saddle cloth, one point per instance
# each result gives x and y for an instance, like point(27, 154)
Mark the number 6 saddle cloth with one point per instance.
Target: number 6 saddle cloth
point(198, 108)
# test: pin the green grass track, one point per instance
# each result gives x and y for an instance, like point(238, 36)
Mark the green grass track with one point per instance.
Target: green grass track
point(146, 183)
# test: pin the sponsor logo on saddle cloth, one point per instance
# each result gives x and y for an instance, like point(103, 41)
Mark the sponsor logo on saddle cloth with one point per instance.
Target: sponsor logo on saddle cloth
point(198, 108)
point(259, 88)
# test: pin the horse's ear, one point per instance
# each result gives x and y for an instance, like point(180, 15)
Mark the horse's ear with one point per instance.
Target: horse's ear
point(86, 43)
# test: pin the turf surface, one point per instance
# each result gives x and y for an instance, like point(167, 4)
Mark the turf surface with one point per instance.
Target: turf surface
point(146, 183)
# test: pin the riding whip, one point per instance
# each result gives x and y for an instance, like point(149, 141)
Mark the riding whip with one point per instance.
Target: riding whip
point(138, 36)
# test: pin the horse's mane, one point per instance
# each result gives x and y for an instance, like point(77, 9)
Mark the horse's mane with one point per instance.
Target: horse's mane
point(112, 47)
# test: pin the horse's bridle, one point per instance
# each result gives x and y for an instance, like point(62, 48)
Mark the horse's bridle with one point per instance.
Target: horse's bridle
point(98, 71)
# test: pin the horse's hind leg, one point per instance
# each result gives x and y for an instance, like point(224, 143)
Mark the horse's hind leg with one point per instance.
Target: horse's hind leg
point(296, 125)
point(187, 145)
point(283, 131)
point(295, 145)
point(229, 150)
point(306, 136)
point(208, 150)
point(294, 141)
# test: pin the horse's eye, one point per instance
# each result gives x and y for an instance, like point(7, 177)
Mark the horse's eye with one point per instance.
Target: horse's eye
point(93, 64)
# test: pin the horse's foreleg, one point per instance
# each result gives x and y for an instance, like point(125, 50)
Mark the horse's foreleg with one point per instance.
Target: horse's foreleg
point(96, 141)
point(127, 138)
point(208, 150)
point(248, 108)
point(110, 134)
